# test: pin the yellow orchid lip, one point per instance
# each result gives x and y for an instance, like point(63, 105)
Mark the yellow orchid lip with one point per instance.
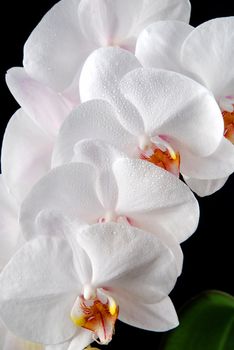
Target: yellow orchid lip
point(96, 316)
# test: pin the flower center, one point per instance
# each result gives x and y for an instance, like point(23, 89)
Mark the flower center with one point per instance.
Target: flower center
point(97, 314)
point(159, 152)
point(111, 216)
point(227, 106)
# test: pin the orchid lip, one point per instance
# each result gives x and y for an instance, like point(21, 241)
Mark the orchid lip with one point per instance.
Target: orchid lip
point(97, 314)
point(158, 150)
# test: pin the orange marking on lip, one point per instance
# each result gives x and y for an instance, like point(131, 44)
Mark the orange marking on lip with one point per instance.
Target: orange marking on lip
point(164, 160)
point(228, 118)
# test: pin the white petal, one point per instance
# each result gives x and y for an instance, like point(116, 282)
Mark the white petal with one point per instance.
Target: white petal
point(158, 317)
point(10, 231)
point(159, 45)
point(83, 339)
point(42, 104)
point(219, 164)
point(208, 50)
point(92, 120)
point(69, 189)
point(205, 187)
point(154, 199)
point(54, 223)
point(102, 156)
point(40, 284)
point(156, 10)
point(15, 343)
point(132, 261)
point(63, 346)
point(56, 49)
point(108, 22)
point(174, 105)
point(26, 153)
point(3, 332)
point(100, 79)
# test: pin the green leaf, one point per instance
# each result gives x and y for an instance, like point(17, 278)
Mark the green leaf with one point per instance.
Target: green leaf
point(206, 323)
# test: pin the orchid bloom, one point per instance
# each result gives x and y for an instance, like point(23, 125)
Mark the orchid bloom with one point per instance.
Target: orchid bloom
point(71, 285)
point(57, 48)
point(156, 115)
point(158, 203)
point(205, 54)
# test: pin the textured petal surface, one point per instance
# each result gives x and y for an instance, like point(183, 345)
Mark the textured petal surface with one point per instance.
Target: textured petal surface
point(158, 317)
point(26, 154)
point(100, 78)
point(217, 165)
point(122, 266)
point(154, 199)
point(207, 50)
point(92, 120)
point(69, 189)
point(56, 49)
point(10, 232)
point(40, 281)
point(159, 45)
point(47, 108)
point(174, 105)
point(205, 187)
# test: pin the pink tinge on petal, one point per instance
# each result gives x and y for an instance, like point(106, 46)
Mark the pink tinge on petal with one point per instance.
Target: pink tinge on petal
point(97, 316)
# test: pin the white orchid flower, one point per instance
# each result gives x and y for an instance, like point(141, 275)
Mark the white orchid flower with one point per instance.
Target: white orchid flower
point(72, 29)
point(74, 289)
point(205, 54)
point(157, 115)
point(131, 191)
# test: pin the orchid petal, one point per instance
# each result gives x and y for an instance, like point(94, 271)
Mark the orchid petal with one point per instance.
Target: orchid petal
point(155, 199)
point(219, 164)
point(69, 189)
point(207, 50)
point(92, 120)
point(10, 233)
point(102, 156)
point(205, 187)
point(159, 45)
point(83, 339)
point(176, 106)
point(52, 223)
point(122, 266)
point(100, 79)
point(56, 49)
point(26, 153)
point(38, 282)
point(106, 23)
point(47, 109)
point(158, 317)
point(153, 11)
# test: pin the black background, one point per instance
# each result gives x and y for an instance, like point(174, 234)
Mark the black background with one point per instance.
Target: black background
point(208, 254)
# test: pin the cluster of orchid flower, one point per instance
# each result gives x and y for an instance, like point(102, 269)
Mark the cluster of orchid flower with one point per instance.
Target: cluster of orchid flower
point(125, 110)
